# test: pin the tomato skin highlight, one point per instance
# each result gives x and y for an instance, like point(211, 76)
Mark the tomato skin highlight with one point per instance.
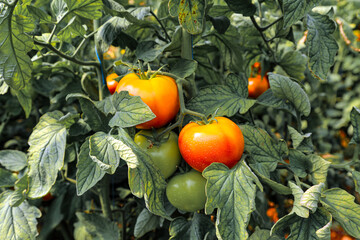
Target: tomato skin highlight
point(187, 191)
point(111, 83)
point(160, 93)
point(257, 86)
point(221, 141)
point(166, 156)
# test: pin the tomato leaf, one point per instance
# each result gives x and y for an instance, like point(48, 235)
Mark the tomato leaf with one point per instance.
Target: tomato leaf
point(17, 222)
point(146, 222)
point(7, 178)
point(299, 163)
point(59, 8)
point(228, 100)
point(277, 187)
point(311, 197)
point(196, 228)
point(190, 13)
point(128, 110)
point(38, 13)
point(315, 227)
point(90, 9)
point(263, 150)
point(71, 30)
point(148, 51)
point(294, 64)
point(262, 234)
point(301, 142)
point(245, 7)
point(355, 122)
point(184, 68)
point(270, 100)
point(356, 177)
point(98, 226)
point(321, 44)
point(46, 153)
point(232, 192)
point(286, 89)
point(300, 210)
point(319, 169)
point(294, 10)
point(88, 172)
point(13, 160)
point(345, 211)
point(145, 179)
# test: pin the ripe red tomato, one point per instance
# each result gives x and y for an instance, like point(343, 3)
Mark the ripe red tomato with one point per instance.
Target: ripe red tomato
point(219, 141)
point(160, 93)
point(111, 83)
point(257, 86)
point(47, 197)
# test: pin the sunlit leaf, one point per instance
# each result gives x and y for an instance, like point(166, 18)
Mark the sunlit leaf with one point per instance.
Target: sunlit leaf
point(13, 160)
point(294, 10)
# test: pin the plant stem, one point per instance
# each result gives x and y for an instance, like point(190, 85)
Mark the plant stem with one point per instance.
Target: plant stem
point(104, 197)
point(82, 42)
point(162, 26)
point(298, 122)
point(55, 27)
point(100, 69)
point(67, 57)
point(187, 53)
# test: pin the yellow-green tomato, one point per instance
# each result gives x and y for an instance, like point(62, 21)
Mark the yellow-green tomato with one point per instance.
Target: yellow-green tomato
point(187, 191)
point(165, 155)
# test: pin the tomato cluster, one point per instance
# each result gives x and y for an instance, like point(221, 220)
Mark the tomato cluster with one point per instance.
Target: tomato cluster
point(199, 143)
point(257, 85)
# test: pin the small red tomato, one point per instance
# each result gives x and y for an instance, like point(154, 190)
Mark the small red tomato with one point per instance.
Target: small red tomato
point(111, 83)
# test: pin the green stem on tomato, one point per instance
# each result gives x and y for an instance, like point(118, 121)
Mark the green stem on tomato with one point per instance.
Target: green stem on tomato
point(104, 197)
point(98, 70)
point(298, 122)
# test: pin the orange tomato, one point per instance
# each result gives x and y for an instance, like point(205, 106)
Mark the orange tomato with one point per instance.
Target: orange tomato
point(160, 93)
point(111, 83)
point(257, 86)
point(219, 141)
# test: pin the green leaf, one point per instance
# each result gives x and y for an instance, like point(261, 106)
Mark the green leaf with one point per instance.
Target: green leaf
point(46, 153)
point(232, 192)
point(7, 178)
point(356, 177)
point(311, 197)
point(103, 152)
point(262, 234)
point(229, 99)
point(294, 64)
point(264, 150)
point(146, 222)
point(71, 30)
point(38, 13)
point(297, 207)
point(277, 187)
point(294, 10)
point(270, 100)
point(184, 68)
point(24, 97)
point(301, 142)
point(15, 64)
point(128, 110)
point(315, 227)
point(355, 122)
point(13, 160)
point(97, 120)
point(90, 9)
point(17, 222)
point(319, 168)
point(148, 51)
point(88, 172)
point(196, 228)
point(190, 13)
point(286, 89)
point(345, 211)
point(299, 163)
point(145, 179)
point(18, 196)
point(59, 8)
point(98, 226)
point(321, 44)
point(245, 7)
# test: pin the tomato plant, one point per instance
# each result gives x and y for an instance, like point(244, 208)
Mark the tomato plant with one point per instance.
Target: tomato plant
point(278, 162)
point(186, 191)
point(164, 152)
point(159, 93)
point(111, 83)
point(219, 141)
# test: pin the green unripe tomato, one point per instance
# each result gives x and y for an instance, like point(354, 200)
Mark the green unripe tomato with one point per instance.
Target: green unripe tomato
point(165, 155)
point(187, 191)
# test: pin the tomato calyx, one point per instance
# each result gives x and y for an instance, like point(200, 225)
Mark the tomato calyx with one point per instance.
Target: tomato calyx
point(156, 138)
